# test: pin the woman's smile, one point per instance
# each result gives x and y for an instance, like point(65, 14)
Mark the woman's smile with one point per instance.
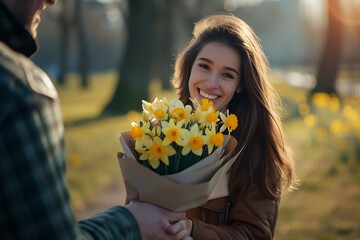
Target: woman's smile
point(207, 95)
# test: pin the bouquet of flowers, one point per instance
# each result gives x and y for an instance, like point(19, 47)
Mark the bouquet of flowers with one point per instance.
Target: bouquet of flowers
point(180, 151)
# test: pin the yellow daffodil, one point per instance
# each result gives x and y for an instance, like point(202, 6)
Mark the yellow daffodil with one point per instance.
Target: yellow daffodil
point(321, 100)
point(211, 118)
point(160, 109)
point(205, 118)
point(139, 133)
point(178, 114)
point(157, 109)
point(178, 111)
point(193, 141)
point(155, 152)
point(173, 132)
point(206, 104)
point(214, 139)
point(160, 114)
point(147, 109)
point(136, 132)
point(160, 103)
point(230, 122)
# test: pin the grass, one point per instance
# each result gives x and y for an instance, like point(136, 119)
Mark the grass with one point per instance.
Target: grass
point(325, 206)
point(91, 144)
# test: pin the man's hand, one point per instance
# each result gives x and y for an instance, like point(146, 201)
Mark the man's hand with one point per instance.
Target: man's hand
point(154, 221)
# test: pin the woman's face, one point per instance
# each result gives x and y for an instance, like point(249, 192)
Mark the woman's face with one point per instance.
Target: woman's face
point(215, 75)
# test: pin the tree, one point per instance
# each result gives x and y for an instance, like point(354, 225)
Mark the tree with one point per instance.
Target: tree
point(71, 20)
point(64, 41)
point(330, 59)
point(164, 43)
point(82, 44)
point(135, 70)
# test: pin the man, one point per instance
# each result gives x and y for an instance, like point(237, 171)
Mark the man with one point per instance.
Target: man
point(34, 199)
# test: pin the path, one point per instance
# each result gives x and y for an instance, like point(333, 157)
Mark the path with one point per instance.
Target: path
point(111, 195)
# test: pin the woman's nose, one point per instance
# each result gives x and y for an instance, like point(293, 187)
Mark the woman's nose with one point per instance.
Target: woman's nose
point(212, 80)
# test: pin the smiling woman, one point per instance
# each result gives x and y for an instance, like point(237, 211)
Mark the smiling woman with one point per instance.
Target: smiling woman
point(225, 63)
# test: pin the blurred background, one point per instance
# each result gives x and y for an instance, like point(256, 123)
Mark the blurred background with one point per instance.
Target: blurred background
point(105, 56)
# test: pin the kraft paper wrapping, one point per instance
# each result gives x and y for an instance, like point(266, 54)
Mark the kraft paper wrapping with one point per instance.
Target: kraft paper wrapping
point(190, 188)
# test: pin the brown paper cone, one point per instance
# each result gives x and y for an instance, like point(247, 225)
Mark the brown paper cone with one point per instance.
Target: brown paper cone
point(142, 184)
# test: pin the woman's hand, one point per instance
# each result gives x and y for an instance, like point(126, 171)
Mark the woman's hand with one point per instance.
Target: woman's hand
point(181, 230)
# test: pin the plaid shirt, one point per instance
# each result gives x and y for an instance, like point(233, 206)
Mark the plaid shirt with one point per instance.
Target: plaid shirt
point(34, 198)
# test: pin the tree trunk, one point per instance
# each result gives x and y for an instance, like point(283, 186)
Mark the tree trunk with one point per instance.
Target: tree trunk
point(165, 60)
point(82, 45)
point(64, 42)
point(331, 56)
point(135, 70)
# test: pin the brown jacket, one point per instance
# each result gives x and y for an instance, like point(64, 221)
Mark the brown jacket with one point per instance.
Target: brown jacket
point(253, 217)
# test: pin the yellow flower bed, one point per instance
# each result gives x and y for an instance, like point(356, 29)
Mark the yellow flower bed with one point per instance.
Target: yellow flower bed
point(335, 123)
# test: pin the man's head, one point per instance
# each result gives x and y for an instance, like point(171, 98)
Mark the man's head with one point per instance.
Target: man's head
point(28, 12)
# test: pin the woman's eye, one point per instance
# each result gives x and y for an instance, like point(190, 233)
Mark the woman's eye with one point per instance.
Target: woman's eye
point(204, 66)
point(227, 75)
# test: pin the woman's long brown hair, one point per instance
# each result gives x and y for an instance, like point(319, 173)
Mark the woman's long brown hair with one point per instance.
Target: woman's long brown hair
point(266, 159)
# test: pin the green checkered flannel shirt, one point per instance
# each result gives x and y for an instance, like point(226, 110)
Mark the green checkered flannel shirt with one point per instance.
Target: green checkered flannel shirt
point(34, 198)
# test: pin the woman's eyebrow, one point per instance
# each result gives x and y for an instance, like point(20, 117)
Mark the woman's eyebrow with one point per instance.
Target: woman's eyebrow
point(232, 70)
point(205, 59)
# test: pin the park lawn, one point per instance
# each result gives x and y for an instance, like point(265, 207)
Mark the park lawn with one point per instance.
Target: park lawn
point(325, 206)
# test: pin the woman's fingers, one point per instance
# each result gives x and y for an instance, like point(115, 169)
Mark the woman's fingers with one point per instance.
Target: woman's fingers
point(181, 230)
point(176, 227)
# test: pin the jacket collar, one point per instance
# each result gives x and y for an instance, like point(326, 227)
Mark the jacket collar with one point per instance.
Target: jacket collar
point(14, 35)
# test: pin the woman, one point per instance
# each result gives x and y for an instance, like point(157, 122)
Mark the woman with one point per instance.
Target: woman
point(225, 63)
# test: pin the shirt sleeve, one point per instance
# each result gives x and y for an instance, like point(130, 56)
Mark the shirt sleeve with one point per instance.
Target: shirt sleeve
point(34, 197)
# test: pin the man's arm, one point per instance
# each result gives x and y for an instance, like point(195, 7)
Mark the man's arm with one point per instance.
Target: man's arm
point(34, 198)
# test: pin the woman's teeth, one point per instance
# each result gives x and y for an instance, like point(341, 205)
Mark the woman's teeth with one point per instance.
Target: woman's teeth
point(208, 96)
